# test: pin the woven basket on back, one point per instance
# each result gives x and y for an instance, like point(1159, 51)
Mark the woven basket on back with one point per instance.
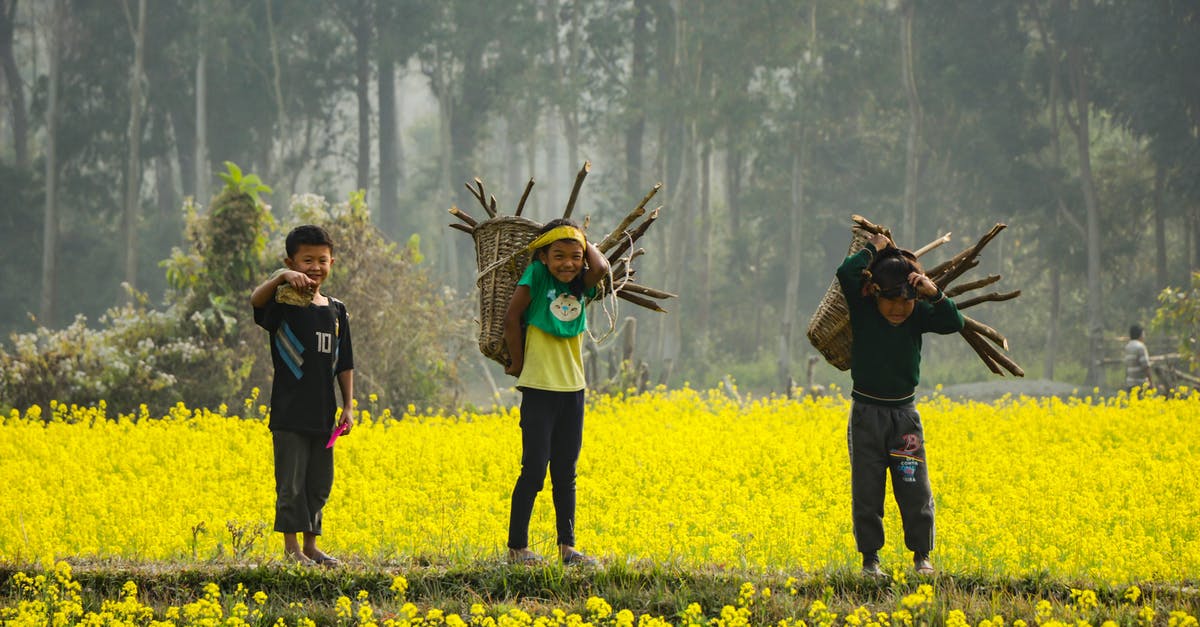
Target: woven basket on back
point(499, 253)
point(829, 328)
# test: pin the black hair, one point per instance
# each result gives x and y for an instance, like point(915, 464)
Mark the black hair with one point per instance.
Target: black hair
point(889, 271)
point(1135, 331)
point(576, 285)
point(310, 234)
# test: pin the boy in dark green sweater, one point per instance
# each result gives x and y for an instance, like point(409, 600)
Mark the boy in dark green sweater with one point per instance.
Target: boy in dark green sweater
point(882, 285)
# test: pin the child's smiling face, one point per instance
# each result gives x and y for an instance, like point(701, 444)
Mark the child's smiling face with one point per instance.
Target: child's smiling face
point(564, 259)
point(895, 310)
point(313, 260)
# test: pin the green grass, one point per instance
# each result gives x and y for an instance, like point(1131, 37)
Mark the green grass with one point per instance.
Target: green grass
point(645, 588)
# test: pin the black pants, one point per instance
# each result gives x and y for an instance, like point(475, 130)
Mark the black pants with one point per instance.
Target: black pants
point(303, 479)
point(884, 439)
point(551, 433)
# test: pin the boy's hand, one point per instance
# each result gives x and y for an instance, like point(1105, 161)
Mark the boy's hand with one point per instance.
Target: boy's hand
point(298, 280)
point(347, 419)
point(879, 241)
point(923, 284)
point(514, 367)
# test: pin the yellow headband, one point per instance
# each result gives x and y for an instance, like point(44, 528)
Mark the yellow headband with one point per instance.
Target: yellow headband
point(555, 234)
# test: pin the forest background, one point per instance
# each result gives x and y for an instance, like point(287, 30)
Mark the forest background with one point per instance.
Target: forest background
point(1076, 122)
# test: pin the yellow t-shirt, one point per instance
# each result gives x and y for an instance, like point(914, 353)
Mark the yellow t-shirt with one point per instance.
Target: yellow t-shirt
point(552, 363)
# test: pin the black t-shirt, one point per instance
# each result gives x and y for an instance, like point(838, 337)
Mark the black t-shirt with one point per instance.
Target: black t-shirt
point(309, 347)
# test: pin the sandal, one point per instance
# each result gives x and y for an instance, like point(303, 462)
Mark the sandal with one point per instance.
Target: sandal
point(575, 558)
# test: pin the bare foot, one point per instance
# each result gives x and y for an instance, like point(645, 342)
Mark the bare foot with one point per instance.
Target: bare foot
point(523, 556)
point(316, 556)
point(298, 558)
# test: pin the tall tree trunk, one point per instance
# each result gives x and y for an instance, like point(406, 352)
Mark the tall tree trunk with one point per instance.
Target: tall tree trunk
point(387, 205)
point(1060, 211)
point(362, 75)
point(201, 165)
point(796, 217)
point(49, 296)
point(13, 84)
point(1161, 280)
point(636, 129)
point(1095, 300)
point(445, 95)
point(911, 162)
point(703, 255)
point(133, 170)
point(276, 149)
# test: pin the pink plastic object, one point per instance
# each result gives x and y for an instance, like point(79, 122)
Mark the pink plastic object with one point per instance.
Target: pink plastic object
point(336, 432)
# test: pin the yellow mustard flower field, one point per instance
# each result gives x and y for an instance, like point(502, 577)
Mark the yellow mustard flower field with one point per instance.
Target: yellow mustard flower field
point(1096, 492)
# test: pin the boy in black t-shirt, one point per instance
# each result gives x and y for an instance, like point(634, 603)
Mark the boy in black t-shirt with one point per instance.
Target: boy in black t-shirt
point(310, 348)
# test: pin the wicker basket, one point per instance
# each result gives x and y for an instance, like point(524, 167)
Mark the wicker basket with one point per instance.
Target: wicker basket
point(829, 328)
point(499, 253)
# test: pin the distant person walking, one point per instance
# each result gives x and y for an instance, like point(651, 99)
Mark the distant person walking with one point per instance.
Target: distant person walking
point(1137, 361)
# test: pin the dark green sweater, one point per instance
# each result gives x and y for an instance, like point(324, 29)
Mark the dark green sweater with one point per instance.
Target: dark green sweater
point(885, 360)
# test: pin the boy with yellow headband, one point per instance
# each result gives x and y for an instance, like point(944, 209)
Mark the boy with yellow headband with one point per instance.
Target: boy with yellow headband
point(543, 330)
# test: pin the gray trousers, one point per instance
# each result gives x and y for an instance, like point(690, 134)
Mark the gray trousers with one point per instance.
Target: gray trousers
point(889, 439)
point(303, 479)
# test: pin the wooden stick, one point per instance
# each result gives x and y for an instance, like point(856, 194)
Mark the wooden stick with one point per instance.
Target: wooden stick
point(967, 259)
point(981, 348)
point(973, 285)
point(989, 297)
point(943, 281)
point(493, 199)
point(637, 233)
point(479, 195)
point(986, 331)
point(994, 356)
point(869, 226)
point(469, 230)
point(640, 301)
point(637, 212)
point(524, 196)
point(462, 215)
point(932, 245)
point(648, 291)
point(583, 172)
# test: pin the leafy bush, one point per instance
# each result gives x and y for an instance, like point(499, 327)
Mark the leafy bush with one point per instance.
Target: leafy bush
point(203, 347)
point(407, 332)
point(135, 356)
point(1179, 314)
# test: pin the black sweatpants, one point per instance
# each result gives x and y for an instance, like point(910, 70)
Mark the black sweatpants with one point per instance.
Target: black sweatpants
point(551, 433)
point(884, 439)
point(303, 479)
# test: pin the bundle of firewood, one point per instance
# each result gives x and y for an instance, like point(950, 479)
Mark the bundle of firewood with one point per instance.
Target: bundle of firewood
point(829, 329)
point(501, 258)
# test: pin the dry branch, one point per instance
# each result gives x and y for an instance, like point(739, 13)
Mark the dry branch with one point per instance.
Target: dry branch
point(462, 215)
point(648, 291)
point(637, 212)
point(986, 331)
point(583, 172)
point(524, 197)
point(932, 245)
point(973, 285)
point(982, 349)
point(989, 297)
point(480, 195)
point(469, 230)
point(640, 301)
point(635, 235)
